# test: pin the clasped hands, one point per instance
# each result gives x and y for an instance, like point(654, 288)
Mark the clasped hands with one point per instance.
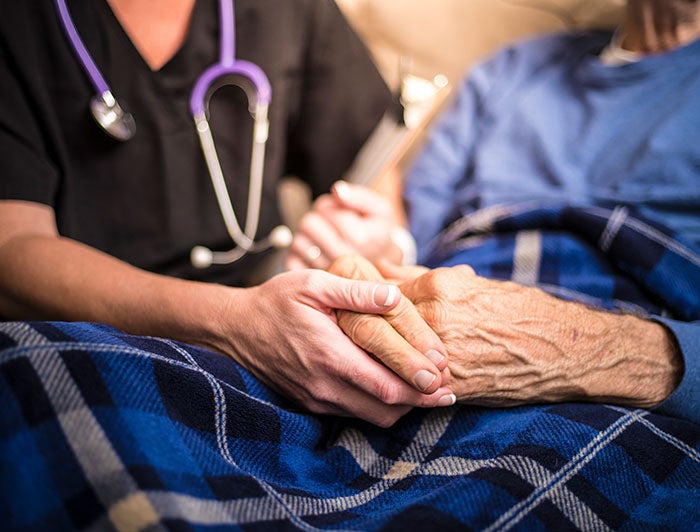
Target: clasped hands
point(508, 344)
point(504, 344)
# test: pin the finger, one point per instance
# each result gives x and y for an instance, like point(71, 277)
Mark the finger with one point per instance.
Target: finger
point(334, 292)
point(345, 223)
point(326, 203)
point(400, 338)
point(359, 198)
point(439, 282)
point(411, 326)
point(350, 401)
point(384, 388)
point(404, 318)
point(378, 337)
point(323, 233)
point(367, 389)
point(307, 251)
point(446, 376)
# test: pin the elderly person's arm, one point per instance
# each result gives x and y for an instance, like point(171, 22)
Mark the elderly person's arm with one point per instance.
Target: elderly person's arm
point(508, 344)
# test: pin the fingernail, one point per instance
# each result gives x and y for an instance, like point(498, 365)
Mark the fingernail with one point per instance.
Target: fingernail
point(447, 400)
point(424, 378)
point(435, 356)
point(384, 295)
point(342, 189)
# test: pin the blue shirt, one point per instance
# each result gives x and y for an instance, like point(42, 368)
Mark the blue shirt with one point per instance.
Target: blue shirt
point(546, 120)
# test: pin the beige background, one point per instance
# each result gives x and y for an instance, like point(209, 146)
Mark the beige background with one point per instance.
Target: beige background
point(446, 36)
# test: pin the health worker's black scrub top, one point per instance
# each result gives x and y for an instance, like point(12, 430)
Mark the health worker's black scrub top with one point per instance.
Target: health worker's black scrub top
point(149, 200)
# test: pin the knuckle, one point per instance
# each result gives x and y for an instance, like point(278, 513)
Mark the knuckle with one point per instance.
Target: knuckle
point(320, 394)
point(375, 331)
point(308, 222)
point(464, 269)
point(324, 201)
point(388, 393)
point(442, 281)
point(344, 266)
point(403, 312)
point(310, 282)
point(357, 296)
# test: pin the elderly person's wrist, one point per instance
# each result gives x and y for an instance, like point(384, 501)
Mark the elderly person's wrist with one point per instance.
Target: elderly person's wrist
point(645, 366)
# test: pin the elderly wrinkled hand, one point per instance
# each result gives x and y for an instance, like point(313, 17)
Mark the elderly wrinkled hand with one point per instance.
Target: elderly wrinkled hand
point(399, 338)
point(508, 344)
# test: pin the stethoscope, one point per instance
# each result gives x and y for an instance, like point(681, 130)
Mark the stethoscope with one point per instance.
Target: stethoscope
point(120, 125)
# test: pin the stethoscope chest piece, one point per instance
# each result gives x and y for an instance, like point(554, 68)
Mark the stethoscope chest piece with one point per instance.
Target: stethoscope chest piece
point(112, 118)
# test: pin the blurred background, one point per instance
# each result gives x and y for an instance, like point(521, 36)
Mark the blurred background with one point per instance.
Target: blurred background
point(424, 47)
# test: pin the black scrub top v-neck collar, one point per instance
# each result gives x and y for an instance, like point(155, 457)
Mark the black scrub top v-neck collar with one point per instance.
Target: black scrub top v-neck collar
point(174, 59)
point(176, 78)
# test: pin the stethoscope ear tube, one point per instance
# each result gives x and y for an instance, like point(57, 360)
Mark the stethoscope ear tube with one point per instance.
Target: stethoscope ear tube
point(244, 239)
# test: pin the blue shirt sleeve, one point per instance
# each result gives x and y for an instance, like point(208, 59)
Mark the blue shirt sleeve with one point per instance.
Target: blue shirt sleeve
point(440, 186)
point(440, 171)
point(684, 402)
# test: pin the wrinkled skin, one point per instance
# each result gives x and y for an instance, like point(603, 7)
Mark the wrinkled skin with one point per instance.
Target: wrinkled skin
point(399, 337)
point(508, 344)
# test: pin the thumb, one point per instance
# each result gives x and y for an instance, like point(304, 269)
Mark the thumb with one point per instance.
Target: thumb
point(361, 199)
point(358, 296)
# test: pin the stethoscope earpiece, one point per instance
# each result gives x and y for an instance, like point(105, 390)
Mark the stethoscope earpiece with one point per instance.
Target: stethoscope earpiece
point(281, 237)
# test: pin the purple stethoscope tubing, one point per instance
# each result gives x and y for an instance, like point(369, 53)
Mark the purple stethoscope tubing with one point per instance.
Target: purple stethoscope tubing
point(96, 78)
point(121, 126)
point(104, 106)
point(229, 65)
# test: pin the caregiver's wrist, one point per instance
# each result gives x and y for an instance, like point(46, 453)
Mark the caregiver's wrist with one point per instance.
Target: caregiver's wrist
point(215, 316)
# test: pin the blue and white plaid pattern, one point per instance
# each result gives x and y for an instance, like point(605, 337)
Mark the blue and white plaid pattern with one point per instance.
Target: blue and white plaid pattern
point(605, 258)
point(102, 430)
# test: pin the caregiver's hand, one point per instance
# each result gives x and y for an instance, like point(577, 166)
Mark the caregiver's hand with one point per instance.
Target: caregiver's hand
point(399, 338)
point(510, 344)
point(285, 332)
point(352, 219)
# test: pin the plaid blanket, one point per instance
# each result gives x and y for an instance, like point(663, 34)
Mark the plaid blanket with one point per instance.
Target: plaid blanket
point(605, 258)
point(101, 430)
